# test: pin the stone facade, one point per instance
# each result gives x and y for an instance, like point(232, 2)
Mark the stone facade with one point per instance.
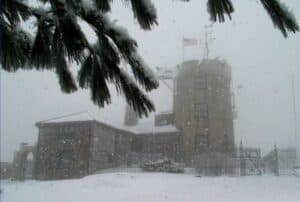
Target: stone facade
point(166, 144)
point(201, 123)
point(165, 118)
point(21, 164)
point(63, 150)
point(109, 146)
point(203, 108)
point(77, 148)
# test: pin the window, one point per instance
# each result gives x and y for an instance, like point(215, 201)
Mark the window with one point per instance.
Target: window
point(64, 159)
point(200, 81)
point(201, 110)
point(66, 138)
point(201, 142)
point(163, 122)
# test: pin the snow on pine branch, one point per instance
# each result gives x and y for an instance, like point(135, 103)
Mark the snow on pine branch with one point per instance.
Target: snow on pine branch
point(141, 68)
point(127, 47)
point(145, 13)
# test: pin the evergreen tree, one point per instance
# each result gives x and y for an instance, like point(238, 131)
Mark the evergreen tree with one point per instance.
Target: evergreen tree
point(59, 41)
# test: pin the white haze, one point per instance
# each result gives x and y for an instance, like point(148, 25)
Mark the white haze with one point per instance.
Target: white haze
point(261, 58)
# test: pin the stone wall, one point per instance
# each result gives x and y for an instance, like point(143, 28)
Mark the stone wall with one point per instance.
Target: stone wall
point(109, 146)
point(167, 144)
point(203, 108)
point(77, 148)
point(63, 150)
point(21, 164)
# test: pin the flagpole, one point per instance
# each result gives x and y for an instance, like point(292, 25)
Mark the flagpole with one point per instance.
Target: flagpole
point(182, 43)
point(200, 52)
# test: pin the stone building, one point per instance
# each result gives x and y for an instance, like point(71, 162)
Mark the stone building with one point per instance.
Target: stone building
point(74, 148)
point(203, 107)
point(22, 166)
point(201, 122)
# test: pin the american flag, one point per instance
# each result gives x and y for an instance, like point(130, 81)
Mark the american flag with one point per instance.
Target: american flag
point(190, 41)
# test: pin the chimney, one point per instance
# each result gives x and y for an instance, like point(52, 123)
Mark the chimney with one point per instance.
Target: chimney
point(131, 117)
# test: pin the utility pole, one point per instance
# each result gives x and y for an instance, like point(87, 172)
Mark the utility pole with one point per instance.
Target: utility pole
point(297, 167)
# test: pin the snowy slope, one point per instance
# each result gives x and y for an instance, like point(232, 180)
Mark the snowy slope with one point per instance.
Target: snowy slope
point(146, 187)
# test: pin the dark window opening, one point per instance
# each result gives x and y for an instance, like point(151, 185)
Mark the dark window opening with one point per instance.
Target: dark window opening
point(200, 81)
point(201, 142)
point(64, 159)
point(201, 110)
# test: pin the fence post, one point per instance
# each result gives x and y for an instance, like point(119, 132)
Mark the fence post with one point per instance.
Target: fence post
point(276, 161)
point(242, 161)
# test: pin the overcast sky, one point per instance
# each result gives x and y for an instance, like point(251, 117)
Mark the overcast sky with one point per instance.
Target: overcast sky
point(262, 61)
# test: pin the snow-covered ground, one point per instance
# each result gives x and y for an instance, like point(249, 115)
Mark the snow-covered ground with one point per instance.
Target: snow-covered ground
point(154, 187)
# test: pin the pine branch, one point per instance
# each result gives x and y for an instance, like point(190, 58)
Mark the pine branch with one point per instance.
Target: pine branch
point(219, 8)
point(281, 16)
point(124, 84)
point(126, 46)
point(128, 49)
point(65, 77)
point(59, 38)
point(24, 11)
point(103, 5)
point(85, 73)
point(13, 9)
point(109, 57)
point(41, 53)
point(142, 73)
point(134, 96)
point(15, 48)
point(73, 5)
point(99, 89)
point(73, 38)
point(92, 74)
point(110, 70)
point(96, 19)
point(145, 13)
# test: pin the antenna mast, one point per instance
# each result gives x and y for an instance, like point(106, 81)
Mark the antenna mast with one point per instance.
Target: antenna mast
point(208, 37)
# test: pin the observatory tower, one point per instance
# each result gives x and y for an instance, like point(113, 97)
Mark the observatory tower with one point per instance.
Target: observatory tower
point(203, 107)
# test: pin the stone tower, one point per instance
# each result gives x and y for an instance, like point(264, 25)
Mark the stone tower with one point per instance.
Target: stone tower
point(203, 107)
point(131, 117)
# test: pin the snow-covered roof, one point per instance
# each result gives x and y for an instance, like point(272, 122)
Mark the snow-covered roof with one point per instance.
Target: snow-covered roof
point(79, 116)
point(150, 128)
point(147, 127)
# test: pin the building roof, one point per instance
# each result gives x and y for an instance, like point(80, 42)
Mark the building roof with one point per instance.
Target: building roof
point(79, 116)
point(150, 128)
point(145, 127)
